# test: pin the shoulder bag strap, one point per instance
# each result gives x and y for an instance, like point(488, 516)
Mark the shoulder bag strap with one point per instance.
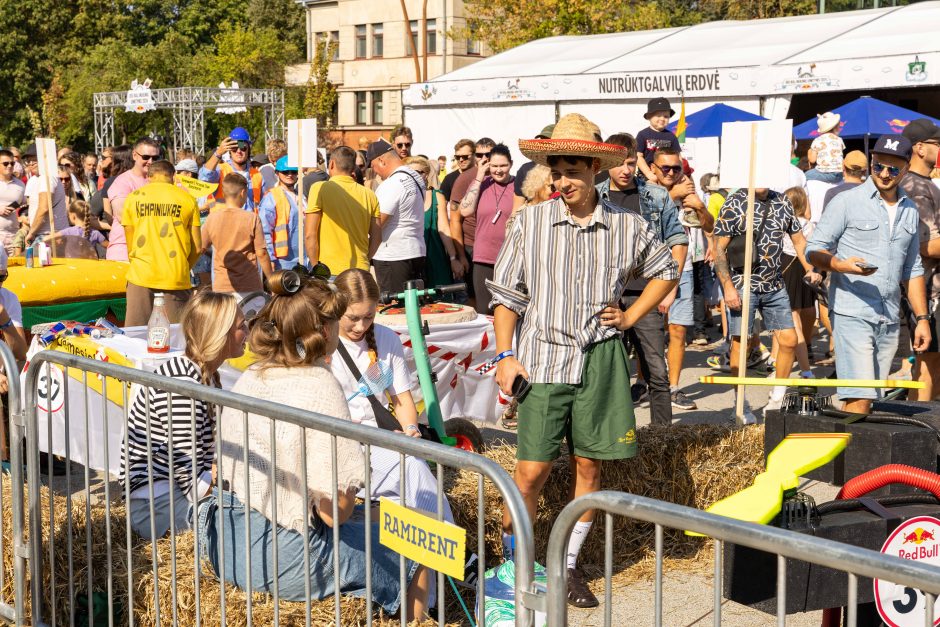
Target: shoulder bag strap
point(383, 417)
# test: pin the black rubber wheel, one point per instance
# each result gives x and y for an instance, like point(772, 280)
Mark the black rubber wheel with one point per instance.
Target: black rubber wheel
point(467, 434)
point(252, 303)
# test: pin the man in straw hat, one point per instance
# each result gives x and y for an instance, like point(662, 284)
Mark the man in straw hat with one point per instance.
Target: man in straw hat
point(558, 281)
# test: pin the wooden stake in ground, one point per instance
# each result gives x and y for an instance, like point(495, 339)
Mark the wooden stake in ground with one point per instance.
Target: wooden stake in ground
point(301, 204)
point(44, 148)
point(746, 285)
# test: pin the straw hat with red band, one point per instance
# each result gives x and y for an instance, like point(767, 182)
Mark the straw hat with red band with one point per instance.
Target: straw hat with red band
point(574, 135)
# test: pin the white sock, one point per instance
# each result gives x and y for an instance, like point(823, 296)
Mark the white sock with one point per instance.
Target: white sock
point(777, 392)
point(580, 532)
point(509, 545)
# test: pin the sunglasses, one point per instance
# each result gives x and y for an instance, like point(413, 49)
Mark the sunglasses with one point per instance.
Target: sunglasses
point(287, 173)
point(666, 169)
point(6, 164)
point(877, 168)
point(462, 157)
point(65, 164)
point(4, 276)
point(147, 157)
point(482, 155)
point(404, 145)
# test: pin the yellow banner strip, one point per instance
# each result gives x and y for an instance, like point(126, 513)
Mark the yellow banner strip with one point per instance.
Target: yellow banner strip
point(816, 383)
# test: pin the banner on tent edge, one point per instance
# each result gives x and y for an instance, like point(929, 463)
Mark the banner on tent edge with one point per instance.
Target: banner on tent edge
point(438, 545)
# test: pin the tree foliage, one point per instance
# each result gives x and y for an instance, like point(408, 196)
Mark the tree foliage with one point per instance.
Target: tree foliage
point(320, 95)
point(55, 55)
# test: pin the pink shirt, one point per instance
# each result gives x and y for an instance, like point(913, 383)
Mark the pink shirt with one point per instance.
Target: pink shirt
point(493, 211)
point(120, 189)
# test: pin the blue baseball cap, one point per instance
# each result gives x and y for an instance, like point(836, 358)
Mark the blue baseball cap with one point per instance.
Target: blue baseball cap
point(240, 134)
point(897, 145)
point(281, 165)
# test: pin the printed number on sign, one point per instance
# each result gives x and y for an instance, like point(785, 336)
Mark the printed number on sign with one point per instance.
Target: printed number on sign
point(50, 387)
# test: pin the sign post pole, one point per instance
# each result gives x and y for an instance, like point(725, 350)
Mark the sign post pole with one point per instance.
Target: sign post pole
point(746, 285)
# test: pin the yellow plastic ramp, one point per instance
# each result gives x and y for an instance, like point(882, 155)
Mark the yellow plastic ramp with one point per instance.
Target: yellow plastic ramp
point(796, 455)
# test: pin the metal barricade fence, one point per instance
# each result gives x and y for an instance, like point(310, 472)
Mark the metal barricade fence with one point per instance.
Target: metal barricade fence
point(854, 561)
point(88, 436)
point(13, 500)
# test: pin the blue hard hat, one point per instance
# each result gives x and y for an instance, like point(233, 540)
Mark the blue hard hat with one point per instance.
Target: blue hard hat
point(281, 165)
point(240, 134)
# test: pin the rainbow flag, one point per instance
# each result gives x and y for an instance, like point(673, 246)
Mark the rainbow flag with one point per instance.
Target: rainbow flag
point(680, 125)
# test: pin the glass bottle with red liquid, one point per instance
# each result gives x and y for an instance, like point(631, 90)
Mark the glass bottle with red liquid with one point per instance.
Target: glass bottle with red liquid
point(158, 327)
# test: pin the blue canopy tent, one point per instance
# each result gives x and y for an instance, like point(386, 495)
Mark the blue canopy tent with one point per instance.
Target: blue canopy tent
point(863, 118)
point(708, 121)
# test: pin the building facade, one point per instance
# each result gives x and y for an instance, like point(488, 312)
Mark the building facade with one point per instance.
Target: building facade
point(374, 58)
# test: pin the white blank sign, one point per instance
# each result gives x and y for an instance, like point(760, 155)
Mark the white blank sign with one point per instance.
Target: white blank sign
point(773, 146)
point(48, 163)
point(302, 143)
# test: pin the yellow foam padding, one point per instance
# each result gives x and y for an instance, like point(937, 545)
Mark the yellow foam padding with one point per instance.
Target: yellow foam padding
point(817, 383)
point(241, 363)
point(66, 281)
point(796, 455)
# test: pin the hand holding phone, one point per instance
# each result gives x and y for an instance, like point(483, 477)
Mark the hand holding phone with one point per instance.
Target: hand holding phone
point(520, 388)
point(864, 265)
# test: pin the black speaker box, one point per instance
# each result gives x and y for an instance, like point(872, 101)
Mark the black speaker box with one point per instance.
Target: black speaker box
point(873, 444)
point(750, 576)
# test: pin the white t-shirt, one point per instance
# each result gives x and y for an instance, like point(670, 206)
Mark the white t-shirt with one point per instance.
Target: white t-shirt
point(59, 206)
point(816, 191)
point(390, 352)
point(401, 198)
point(892, 214)
point(12, 304)
point(829, 149)
point(795, 178)
point(807, 227)
point(12, 192)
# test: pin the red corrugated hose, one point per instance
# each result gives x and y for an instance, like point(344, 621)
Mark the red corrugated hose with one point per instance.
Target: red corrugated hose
point(872, 480)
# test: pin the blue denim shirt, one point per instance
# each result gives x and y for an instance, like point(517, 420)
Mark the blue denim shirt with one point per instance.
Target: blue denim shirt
point(855, 224)
point(658, 210)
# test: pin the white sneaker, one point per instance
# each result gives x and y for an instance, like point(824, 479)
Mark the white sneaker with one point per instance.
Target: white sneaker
point(773, 404)
point(746, 418)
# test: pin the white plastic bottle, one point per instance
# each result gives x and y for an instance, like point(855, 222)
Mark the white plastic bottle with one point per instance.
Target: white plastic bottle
point(158, 327)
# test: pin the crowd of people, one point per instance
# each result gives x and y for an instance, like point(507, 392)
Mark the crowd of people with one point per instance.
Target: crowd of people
point(595, 252)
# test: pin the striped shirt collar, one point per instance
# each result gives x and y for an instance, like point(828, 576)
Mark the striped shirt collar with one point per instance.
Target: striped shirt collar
point(561, 215)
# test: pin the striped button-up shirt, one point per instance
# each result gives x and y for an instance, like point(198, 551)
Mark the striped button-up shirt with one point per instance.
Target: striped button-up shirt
point(558, 275)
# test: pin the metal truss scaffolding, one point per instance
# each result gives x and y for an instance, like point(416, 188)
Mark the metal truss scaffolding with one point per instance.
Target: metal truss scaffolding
point(189, 105)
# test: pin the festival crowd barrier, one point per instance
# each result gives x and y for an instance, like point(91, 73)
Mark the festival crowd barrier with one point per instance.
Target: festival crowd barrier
point(101, 573)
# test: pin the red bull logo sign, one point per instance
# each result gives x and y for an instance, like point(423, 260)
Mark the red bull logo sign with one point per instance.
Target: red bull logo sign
point(915, 539)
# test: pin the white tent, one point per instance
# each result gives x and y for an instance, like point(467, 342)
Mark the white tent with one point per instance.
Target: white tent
point(755, 65)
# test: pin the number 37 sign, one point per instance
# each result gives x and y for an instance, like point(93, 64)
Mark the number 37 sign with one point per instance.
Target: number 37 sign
point(916, 539)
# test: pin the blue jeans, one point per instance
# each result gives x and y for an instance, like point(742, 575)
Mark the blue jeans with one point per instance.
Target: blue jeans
point(774, 310)
point(291, 547)
point(864, 350)
point(681, 310)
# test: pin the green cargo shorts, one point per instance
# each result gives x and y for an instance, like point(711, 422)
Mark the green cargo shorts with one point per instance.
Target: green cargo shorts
point(596, 416)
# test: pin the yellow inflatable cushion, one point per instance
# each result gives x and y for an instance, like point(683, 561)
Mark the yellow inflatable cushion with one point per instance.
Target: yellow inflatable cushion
point(66, 281)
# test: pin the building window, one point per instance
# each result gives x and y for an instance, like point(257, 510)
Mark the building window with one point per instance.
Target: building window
point(378, 40)
point(362, 111)
point(334, 37)
point(361, 41)
point(413, 27)
point(430, 45)
point(377, 117)
point(473, 46)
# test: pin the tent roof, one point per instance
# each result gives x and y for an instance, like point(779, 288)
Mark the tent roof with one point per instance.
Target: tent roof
point(872, 33)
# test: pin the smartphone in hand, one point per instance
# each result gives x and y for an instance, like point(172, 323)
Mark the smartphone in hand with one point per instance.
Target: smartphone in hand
point(864, 265)
point(520, 388)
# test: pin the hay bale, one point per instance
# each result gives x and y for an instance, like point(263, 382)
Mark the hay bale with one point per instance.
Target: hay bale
point(693, 465)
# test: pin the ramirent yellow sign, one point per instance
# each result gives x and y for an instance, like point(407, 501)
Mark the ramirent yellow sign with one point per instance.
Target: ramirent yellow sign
point(195, 187)
point(437, 545)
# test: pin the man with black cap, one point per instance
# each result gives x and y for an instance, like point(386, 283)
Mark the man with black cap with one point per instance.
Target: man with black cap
point(867, 238)
point(655, 136)
point(400, 256)
point(925, 143)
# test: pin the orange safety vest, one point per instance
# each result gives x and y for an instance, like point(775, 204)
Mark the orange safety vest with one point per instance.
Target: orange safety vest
point(256, 183)
point(282, 209)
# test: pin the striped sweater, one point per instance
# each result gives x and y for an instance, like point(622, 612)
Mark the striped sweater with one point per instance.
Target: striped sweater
point(171, 429)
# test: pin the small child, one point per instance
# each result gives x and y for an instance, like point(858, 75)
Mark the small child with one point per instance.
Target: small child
point(237, 241)
point(655, 136)
point(80, 219)
point(826, 151)
point(19, 240)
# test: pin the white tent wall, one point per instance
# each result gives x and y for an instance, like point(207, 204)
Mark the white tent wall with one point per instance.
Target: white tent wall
point(437, 129)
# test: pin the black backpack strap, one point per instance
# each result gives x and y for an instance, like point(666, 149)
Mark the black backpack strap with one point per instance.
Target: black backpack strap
point(383, 417)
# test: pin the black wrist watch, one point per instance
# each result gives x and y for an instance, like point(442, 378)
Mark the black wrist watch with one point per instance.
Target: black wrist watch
point(923, 317)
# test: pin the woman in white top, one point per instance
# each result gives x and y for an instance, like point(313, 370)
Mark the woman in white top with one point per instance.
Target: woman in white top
point(367, 343)
point(292, 336)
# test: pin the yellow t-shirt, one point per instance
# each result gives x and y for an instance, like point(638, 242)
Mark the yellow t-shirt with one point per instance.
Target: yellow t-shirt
point(348, 209)
point(715, 201)
point(162, 248)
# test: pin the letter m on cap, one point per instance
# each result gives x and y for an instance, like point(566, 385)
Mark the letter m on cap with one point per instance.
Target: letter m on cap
point(891, 144)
